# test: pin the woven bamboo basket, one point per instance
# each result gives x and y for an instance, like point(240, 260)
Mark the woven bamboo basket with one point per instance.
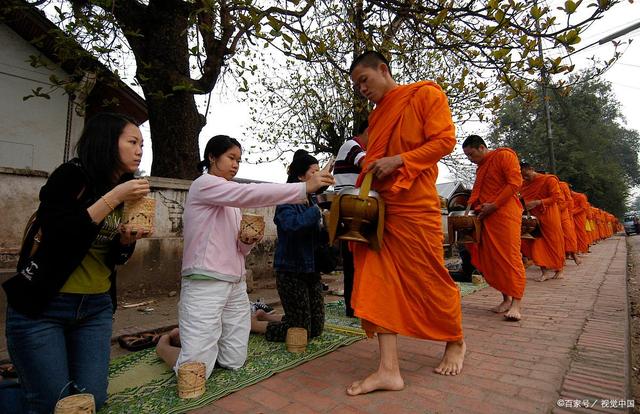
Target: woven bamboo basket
point(76, 404)
point(191, 379)
point(296, 340)
point(140, 214)
point(251, 226)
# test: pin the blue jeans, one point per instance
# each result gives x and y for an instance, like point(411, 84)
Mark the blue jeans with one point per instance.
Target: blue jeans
point(64, 351)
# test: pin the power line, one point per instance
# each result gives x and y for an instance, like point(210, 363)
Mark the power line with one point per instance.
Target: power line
point(609, 38)
point(13, 75)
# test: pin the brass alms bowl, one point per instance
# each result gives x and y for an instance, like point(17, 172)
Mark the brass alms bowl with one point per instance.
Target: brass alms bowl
point(357, 214)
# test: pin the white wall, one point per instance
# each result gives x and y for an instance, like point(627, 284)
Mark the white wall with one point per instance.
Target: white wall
point(33, 131)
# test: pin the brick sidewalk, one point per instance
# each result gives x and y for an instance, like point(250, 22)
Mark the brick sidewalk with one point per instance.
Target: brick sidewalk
point(571, 344)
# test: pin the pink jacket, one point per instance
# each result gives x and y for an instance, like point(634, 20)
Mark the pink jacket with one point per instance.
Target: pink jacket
point(212, 223)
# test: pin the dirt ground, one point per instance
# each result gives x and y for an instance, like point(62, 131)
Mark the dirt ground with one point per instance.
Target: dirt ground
point(633, 286)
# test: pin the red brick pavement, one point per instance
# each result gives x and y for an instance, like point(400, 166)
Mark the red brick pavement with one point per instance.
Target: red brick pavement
point(571, 343)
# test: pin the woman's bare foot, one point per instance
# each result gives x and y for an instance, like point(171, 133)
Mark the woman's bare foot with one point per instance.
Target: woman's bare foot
point(261, 315)
point(167, 352)
point(503, 307)
point(174, 337)
point(513, 314)
point(453, 358)
point(378, 381)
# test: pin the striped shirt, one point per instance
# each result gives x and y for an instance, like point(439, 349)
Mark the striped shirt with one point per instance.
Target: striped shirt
point(347, 166)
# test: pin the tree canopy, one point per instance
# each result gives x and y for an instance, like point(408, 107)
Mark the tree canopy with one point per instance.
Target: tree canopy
point(181, 48)
point(595, 152)
point(472, 49)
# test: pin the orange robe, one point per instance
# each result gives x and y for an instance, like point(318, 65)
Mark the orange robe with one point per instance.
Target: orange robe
point(405, 287)
point(600, 224)
point(591, 231)
point(566, 214)
point(548, 249)
point(580, 206)
point(498, 255)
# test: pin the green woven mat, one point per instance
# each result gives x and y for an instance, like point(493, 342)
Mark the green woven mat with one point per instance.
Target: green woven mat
point(141, 383)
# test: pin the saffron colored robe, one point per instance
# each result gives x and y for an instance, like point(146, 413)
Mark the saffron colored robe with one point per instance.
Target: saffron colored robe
point(566, 214)
point(548, 249)
point(405, 288)
point(497, 255)
point(580, 206)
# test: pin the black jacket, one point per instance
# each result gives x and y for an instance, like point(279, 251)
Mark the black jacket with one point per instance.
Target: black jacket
point(67, 235)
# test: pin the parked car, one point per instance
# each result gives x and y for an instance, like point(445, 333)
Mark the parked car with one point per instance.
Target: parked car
point(630, 224)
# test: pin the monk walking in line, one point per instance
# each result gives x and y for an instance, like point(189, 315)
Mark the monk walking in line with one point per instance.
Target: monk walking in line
point(405, 289)
point(542, 196)
point(494, 198)
point(580, 206)
point(568, 228)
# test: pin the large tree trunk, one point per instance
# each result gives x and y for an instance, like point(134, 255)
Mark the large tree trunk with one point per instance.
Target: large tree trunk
point(175, 128)
point(162, 57)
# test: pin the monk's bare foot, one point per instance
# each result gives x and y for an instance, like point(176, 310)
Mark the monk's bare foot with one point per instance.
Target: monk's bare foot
point(174, 337)
point(527, 263)
point(543, 276)
point(503, 307)
point(379, 380)
point(576, 259)
point(558, 275)
point(513, 314)
point(453, 358)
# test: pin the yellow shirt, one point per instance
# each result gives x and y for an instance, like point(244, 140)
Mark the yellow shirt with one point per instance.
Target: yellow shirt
point(92, 275)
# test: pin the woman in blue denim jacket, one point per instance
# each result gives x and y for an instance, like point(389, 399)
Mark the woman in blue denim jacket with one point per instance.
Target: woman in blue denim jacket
point(297, 280)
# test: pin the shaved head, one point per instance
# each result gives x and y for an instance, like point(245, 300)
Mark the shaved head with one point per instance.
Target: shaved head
point(369, 59)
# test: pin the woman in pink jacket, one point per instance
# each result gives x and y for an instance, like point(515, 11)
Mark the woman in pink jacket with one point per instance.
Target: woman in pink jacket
point(214, 310)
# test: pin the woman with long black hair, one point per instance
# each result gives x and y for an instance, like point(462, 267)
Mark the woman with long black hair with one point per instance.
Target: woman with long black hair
point(61, 301)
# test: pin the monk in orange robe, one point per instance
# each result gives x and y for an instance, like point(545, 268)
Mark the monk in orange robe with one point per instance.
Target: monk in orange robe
point(591, 230)
point(568, 227)
point(405, 288)
point(542, 196)
point(494, 197)
point(580, 206)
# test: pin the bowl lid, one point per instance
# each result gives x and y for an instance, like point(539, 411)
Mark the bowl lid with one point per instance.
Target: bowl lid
point(356, 192)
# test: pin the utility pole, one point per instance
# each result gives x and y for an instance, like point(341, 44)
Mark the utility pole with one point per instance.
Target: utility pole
point(545, 100)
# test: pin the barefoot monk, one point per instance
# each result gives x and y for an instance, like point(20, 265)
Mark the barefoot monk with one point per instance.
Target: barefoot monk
point(405, 288)
point(494, 198)
point(568, 227)
point(580, 207)
point(542, 196)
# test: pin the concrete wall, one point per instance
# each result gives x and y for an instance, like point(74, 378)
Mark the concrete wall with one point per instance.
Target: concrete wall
point(19, 191)
point(33, 131)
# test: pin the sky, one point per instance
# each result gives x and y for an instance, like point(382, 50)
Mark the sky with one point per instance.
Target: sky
point(229, 116)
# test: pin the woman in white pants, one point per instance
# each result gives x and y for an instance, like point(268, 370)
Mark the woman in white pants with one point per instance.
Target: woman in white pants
point(214, 311)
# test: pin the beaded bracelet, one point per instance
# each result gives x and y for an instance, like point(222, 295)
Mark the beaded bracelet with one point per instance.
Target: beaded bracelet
point(107, 203)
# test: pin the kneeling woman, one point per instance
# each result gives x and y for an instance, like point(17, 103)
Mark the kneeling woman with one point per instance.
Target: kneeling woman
point(297, 280)
point(214, 311)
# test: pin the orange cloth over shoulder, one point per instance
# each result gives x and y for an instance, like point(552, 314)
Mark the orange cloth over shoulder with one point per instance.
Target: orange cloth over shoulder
point(405, 287)
point(580, 206)
point(566, 214)
point(497, 255)
point(548, 249)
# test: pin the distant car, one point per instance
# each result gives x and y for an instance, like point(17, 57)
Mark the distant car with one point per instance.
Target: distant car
point(629, 225)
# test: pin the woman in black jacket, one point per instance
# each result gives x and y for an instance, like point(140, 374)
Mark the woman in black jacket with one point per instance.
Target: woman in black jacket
point(62, 298)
